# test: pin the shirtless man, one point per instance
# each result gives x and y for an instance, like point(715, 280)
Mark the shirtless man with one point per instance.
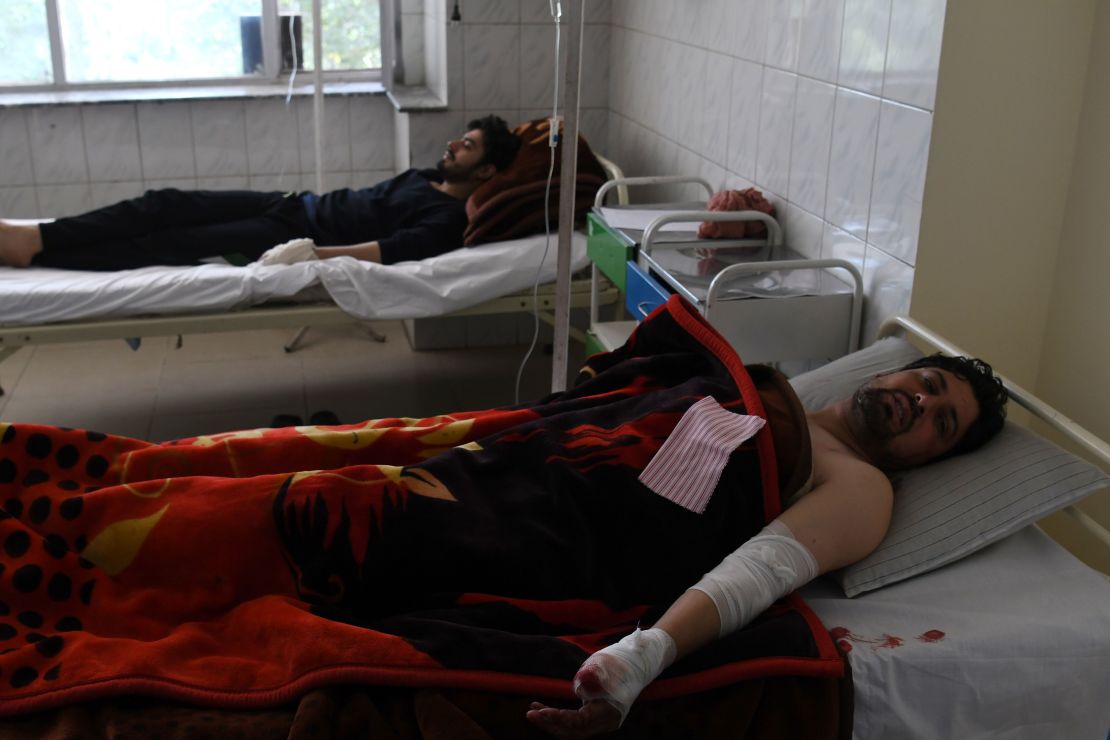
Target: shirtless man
point(415, 215)
point(929, 409)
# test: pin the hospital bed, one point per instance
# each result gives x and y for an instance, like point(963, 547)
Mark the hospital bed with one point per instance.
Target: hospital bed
point(1012, 640)
point(966, 622)
point(42, 306)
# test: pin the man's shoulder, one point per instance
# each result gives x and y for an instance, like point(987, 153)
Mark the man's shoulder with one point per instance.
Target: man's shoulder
point(845, 469)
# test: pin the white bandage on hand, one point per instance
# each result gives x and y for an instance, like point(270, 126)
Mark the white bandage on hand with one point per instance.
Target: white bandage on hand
point(618, 673)
point(295, 250)
point(759, 572)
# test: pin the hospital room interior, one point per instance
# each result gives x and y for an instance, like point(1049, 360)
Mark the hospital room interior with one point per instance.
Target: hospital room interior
point(952, 154)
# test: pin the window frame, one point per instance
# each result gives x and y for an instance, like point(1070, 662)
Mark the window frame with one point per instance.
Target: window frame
point(271, 74)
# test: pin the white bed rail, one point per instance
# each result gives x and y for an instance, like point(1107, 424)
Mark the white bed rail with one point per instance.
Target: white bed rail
point(1091, 444)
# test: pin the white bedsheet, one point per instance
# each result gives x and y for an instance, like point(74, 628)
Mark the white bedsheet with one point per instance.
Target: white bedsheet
point(1025, 650)
point(431, 287)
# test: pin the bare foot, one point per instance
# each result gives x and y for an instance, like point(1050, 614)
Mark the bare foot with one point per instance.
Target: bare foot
point(19, 243)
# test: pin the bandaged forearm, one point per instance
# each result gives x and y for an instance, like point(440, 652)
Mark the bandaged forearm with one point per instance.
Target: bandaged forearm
point(759, 572)
point(619, 673)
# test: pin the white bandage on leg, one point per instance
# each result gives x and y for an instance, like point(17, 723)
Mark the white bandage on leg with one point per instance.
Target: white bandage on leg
point(762, 570)
point(290, 252)
point(623, 669)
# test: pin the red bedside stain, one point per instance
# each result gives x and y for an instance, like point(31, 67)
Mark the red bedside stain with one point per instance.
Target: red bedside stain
point(846, 639)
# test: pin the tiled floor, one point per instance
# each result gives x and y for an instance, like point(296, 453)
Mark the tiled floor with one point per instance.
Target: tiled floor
point(241, 380)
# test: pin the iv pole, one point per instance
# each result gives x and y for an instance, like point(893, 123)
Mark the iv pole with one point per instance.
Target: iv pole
point(568, 175)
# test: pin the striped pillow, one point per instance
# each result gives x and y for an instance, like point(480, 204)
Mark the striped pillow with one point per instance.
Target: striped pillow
point(949, 509)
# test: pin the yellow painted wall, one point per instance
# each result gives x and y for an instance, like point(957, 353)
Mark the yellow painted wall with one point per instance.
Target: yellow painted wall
point(1012, 261)
point(1075, 352)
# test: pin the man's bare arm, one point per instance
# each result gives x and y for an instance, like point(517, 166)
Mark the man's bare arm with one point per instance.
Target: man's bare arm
point(840, 521)
point(368, 251)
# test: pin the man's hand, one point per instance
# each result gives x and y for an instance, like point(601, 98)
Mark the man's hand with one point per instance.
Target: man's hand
point(607, 683)
point(598, 713)
point(590, 719)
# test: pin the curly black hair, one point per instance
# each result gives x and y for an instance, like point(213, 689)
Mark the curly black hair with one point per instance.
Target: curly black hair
point(499, 144)
point(988, 390)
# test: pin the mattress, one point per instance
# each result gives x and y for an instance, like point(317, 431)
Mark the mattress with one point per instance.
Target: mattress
point(408, 290)
point(1010, 642)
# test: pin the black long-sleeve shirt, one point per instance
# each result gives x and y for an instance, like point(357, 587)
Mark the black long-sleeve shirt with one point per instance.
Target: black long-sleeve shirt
point(410, 219)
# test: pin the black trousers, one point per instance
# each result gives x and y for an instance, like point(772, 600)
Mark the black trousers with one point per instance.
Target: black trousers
point(173, 227)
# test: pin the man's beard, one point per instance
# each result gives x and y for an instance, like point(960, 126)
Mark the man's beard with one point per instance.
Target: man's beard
point(450, 172)
point(876, 421)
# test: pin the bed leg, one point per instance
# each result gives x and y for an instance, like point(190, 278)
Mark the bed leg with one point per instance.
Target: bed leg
point(374, 333)
point(291, 345)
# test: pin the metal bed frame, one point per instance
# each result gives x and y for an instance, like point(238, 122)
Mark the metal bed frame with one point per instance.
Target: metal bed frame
point(277, 316)
point(1091, 445)
point(296, 317)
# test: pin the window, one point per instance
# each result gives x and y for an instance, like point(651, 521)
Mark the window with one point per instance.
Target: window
point(74, 44)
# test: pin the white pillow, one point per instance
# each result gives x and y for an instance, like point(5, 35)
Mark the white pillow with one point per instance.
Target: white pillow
point(949, 509)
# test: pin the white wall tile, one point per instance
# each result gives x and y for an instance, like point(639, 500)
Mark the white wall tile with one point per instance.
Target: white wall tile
point(743, 132)
point(110, 193)
point(15, 148)
point(337, 134)
point(112, 142)
point(804, 232)
point(776, 121)
point(594, 71)
point(713, 118)
point(537, 66)
point(593, 123)
point(64, 200)
point(913, 53)
point(491, 11)
point(717, 25)
point(492, 57)
point(272, 141)
point(180, 183)
point(57, 144)
point(429, 134)
point(371, 131)
point(233, 182)
point(851, 161)
point(20, 202)
point(166, 140)
point(597, 11)
point(219, 137)
point(784, 25)
point(839, 244)
point(536, 11)
point(819, 39)
point(748, 21)
point(888, 284)
point(863, 45)
point(901, 157)
point(687, 102)
point(812, 137)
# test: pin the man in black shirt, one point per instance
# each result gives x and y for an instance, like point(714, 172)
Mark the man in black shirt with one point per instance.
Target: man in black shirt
point(417, 214)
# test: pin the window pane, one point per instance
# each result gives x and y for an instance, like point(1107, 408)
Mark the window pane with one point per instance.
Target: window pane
point(352, 32)
point(24, 43)
point(142, 40)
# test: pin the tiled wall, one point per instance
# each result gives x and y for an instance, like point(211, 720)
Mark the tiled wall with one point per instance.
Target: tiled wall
point(825, 105)
point(62, 159)
point(501, 59)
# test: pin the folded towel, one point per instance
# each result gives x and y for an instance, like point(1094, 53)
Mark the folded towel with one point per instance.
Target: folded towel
point(748, 199)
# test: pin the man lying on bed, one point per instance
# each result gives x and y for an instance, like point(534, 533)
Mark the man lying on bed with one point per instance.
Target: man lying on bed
point(932, 408)
point(415, 215)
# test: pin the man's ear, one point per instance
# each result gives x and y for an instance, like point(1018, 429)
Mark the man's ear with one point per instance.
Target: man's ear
point(486, 171)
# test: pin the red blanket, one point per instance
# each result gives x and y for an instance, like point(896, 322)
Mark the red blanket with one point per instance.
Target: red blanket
point(490, 550)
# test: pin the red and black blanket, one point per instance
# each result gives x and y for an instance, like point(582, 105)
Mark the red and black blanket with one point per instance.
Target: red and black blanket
point(489, 550)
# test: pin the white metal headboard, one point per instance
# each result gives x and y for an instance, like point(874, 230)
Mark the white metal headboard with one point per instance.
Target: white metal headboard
point(1091, 444)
